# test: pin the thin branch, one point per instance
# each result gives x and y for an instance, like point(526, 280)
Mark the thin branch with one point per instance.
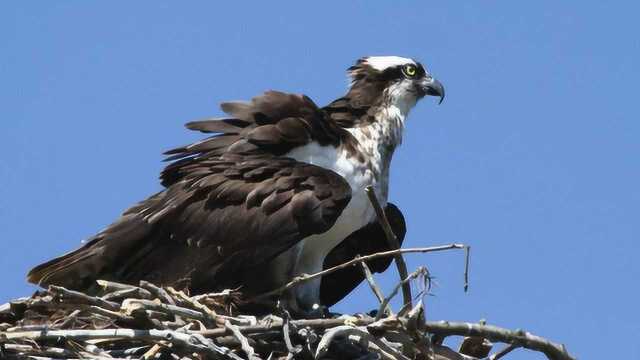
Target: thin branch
point(128, 353)
point(306, 277)
point(467, 254)
point(286, 333)
point(26, 350)
point(385, 302)
point(392, 239)
point(134, 292)
point(69, 319)
point(110, 288)
point(131, 306)
point(115, 315)
point(151, 353)
point(195, 305)
point(374, 287)
point(244, 342)
point(158, 292)
point(504, 351)
point(72, 296)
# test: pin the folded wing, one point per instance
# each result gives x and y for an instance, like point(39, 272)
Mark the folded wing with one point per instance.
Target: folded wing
point(225, 216)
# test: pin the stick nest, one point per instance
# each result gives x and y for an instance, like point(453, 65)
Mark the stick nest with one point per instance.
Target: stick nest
point(150, 322)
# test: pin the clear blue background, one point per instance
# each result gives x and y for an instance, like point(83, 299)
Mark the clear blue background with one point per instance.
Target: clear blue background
point(533, 158)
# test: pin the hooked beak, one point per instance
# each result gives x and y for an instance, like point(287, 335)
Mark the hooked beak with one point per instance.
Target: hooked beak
point(433, 87)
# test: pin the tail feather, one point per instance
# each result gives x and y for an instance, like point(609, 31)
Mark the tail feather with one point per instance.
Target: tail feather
point(96, 259)
point(66, 270)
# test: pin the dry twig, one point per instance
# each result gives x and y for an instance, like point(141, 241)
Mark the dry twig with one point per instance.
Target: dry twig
point(509, 348)
point(375, 288)
point(392, 239)
point(306, 277)
point(244, 342)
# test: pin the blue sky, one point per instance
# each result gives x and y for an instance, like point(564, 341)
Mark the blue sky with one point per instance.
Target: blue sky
point(533, 159)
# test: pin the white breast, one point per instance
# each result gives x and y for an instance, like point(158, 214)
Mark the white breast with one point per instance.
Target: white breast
point(358, 212)
point(310, 253)
point(376, 143)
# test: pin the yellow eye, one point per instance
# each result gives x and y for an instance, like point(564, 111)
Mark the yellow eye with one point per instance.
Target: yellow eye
point(409, 70)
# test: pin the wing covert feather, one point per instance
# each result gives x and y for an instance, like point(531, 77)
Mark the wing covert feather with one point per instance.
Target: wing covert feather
point(226, 216)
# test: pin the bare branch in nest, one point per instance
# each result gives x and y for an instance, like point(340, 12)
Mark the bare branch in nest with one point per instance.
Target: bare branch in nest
point(39, 351)
point(114, 290)
point(509, 348)
point(77, 297)
point(496, 334)
point(306, 277)
point(158, 292)
point(286, 334)
point(244, 342)
point(421, 271)
point(375, 288)
point(467, 254)
point(392, 239)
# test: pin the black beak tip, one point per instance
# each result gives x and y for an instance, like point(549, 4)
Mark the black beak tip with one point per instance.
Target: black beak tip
point(438, 90)
point(435, 88)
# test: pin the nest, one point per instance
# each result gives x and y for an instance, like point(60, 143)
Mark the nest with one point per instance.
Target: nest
point(151, 322)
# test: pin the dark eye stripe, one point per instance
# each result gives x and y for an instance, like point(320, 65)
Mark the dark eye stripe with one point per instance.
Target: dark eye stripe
point(392, 73)
point(421, 72)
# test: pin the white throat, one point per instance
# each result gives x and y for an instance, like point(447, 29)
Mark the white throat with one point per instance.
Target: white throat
point(380, 138)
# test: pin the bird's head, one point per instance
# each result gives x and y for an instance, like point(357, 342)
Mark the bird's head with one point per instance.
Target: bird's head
point(392, 79)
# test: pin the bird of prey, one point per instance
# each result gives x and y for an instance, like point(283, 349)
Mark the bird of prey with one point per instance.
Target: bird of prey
point(276, 191)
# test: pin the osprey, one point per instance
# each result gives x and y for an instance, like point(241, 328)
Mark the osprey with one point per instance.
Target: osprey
point(276, 191)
